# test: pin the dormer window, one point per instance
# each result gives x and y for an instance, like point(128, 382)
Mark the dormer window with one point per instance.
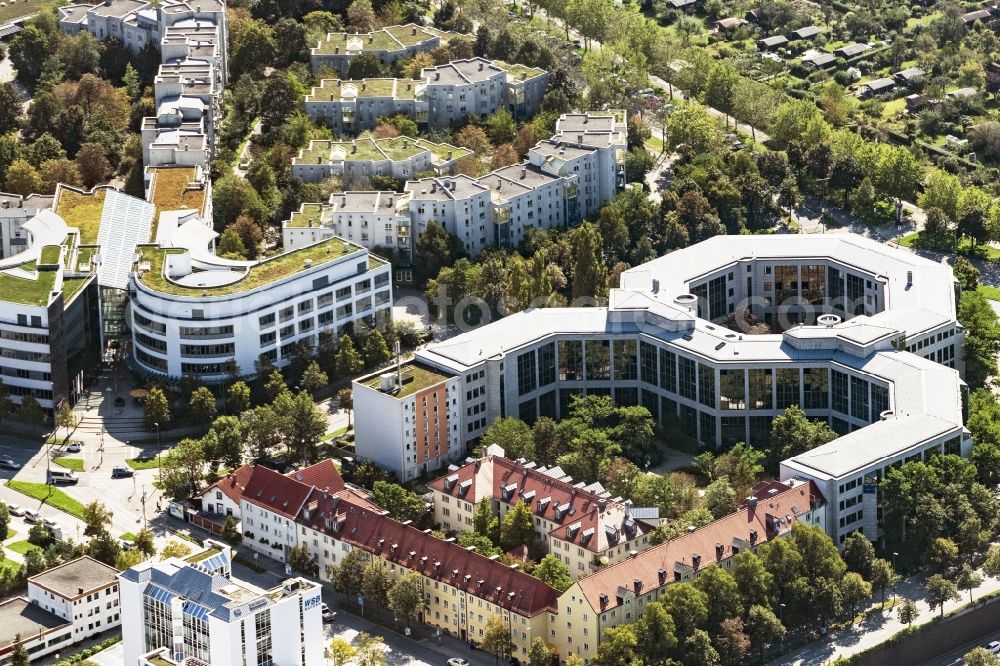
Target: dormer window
point(463, 487)
point(696, 560)
point(542, 503)
point(604, 600)
point(508, 490)
point(450, 482)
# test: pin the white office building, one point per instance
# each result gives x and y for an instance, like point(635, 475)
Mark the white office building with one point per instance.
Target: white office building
point(195, 610)
point(565, 179)
point(856, 333)
point(445, 93)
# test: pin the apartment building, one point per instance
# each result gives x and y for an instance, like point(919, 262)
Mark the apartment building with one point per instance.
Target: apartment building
point(64, 605)
point(416, 406)
point(565, 179)
point(860, 334)
point(196, 609)
point(358, 161)
point(336, 50)
point(580, 525)
point(445, 93)
point(15, 210)
point(462, 589)
point(617, 594)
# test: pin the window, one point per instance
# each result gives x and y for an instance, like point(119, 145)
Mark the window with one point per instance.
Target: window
point(816, 388)
point(668, 371)
point(880, 401)
point(859, 398)
point(838, 382)
point(526, 373)
point(732, 390)
point(598, 357)
point(647, 363)
point(787, 387)
point(625, 360)
point(687, 374)
point(570, 360)
point(706, 385)
point(760, 388)
point(547, 364)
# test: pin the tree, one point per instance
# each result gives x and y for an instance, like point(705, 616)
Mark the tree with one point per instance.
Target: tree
point(882, 576)
point(980, 656)
point(348, 576)
point(202, 404)
point(231, 245)
point(238, 398)
point(518, 527)
point(341, 651)
point(688, 606)
point(720, 87)
point(942, 553)
point(302, 561)
point(313, 378)
point(732, 642)
point(741, 465)
point(144, 543)
point(854, 589)
point(96, 517)
point(175, 549)
point(349, 362)
point(982, 340)
point(699, 651)
point(539, 654)
point(252, 47)
point(553, 572)
point(763, 627)
point(659, 636)
point(366, 65)
point(474, 138)
point(105, 548)
point(92, 163)
point(407, 596)
point(65, 417)
point(20, 656)
point(23, 179)
point(303, 425)
point(513, 435)
point(401, 503)
point(181, 468)
point(908, 611)
point(10, 108)
point(859, 553)
point(968, 580)
point(720, 498)
point(54, 172)
point(722, 594)
point(753, 580)
point(638, 163)
point(375, 585)
point(371, 651)
point(225, 441)
point(940, 591)
point(376, 351)
point(482, 517)
point(497, 639)
point(589, 273)
point(793, 433)
point(263, 430)
point(501, 127)
point(4, 521)
point(230, 531)
point(618, 647)
point(361, 16)
point(966, 274)
point(345, 402)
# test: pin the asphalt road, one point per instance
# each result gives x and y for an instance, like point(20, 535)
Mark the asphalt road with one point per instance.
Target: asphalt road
point(954, 658)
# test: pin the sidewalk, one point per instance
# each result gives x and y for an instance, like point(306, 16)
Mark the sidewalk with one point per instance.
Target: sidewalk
point(878, 629)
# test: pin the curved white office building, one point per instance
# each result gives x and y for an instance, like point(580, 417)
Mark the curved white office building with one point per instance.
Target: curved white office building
point(865, 337)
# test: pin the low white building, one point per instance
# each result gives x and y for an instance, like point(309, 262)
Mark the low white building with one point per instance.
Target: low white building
point(358, 161)
point(336, 50)
point(65, 605)
point(198, 611)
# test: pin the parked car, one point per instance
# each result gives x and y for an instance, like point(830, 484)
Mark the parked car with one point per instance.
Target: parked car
point(993, 647)
point(121, 472)
point(48, 522)
point(7, 463)
point(73, 448)
point(60, 477)
point(127, 545)
point(458, 661)
point(328, 615)
point(15, 510)
point(32, 516)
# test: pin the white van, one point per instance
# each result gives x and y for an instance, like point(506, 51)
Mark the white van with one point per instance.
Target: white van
point(61, 477)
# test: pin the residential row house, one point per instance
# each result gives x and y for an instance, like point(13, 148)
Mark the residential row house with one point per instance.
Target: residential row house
point(581, 525)
point(336, 50)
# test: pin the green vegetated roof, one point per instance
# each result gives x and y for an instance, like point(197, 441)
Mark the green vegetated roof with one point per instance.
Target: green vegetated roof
point(415, 378)
point(301, 217)
point(83, 257)
point(24, 290)
point(337, 42)
point(82, 211)
point(439, 151)
point(203, 555)
point(50, 255)
point(261, 274)
point(73, 285)
point(516, 70)
point(334, 89)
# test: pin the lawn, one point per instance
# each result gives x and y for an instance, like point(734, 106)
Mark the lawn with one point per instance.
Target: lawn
point(889, 109)
point(128, 536)
point(75, 464)
point(10, 565)
point(48, 495)
point(965, 247)
point(82, 211)
point(27, 291)
point(23, 547)
point(15, 10)
point(991, 293)
point(143, 463)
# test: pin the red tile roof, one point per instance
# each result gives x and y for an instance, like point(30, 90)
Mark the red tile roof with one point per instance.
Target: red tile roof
point(323, 475)
point(748, 526)
point(233, 483)
point(276, 492)
point(444, 561)
point(584, 517)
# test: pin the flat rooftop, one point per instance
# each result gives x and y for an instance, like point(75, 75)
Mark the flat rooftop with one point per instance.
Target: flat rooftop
point(416, 377)
point(20, 616)
point(73, 579)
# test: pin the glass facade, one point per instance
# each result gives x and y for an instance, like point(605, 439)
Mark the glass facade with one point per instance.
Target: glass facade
point(547, 364)
point(880, 400)
point(816, 388)
point(839, 391)
point(813, 281)
point(625, 360)
point(859, 399)
point(855, 294)
point(760, 382)
point(647, 363)
point(732, 391)
point(686, 369)
point(787, 387)
point(598, 360)
point(706, 385)
point(570, 360)
point(668, 371)
point(786, 285)
point(526, 373)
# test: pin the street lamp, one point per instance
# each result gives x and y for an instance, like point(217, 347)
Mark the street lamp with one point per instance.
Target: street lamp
point(159, 474)
point(781, 619)
point(894, 555)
